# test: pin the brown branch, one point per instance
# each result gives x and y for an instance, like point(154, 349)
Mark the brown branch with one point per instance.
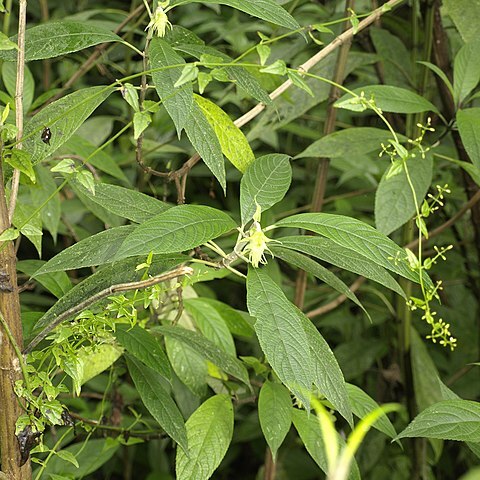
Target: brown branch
point(120, 287)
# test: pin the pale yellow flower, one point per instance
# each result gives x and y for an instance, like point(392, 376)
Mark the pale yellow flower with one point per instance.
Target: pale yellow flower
point(257, 246)
point(159, 22)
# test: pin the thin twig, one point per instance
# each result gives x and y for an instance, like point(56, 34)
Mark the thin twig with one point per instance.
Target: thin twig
point(22, 22)
point(121, 287)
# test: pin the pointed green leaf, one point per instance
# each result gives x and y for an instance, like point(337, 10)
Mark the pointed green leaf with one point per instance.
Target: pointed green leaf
point(232, 141)
point(311, 266)
point(267, 10)
point(391, 99)
point(22, 161)
point(128, 203)
point(394, 202)
point(308, 428)
point(265, 183)
point(143, 346)
point(209, 433)
point(205, 141)
point(54, 39)
point(63, 117)
point(447, 420)
point(158, 401)
point(466, 71)
point(281, 334)
point(351, 141)
point(362, 404)
point(178, 229)
point(177, 101)
point(468, 122)
point(206, 349)
point(275, 414)
point(358, 237)
point(96, 250)
point(210, 323)
point(328, 251)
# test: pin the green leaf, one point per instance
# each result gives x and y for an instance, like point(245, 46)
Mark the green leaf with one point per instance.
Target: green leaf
point(466, 71)
point(118, 272)
point(97, 361)
point(5, 42)
point(466, 17)
point(468, 122)
point(210, 323)
point(267, 10)
point(90, 455)
point(98, 249)
point(328, 251)
point(394, 202)
point(205, 141)
point(63, 117)
point(44, 193)
point(299, 82)
point(58, 283)
point(178, 229)
point(275, 414)
point(279, 67)
point(177, 101)
point(308, 428)
point(67, 166)
point(319, 271)
point(362, 404)
point(440, 73)
point(357, 237)
point(209, 433)
point(141, 120)
point(235, 321)
point(54, 39)
point(242, 77)
point(281, 334)
point(158, 401)
point(68, 457)
point(232, 141)
point(447, 420)
point(328, 375)
point(143, 346)
point(189, 74)
point(101, 160)
point(9, 77)
point(391, 99)
point(188, 365)
point(85, 178)
point(207, 349)
point(30, 227)
point(265, 183)
point(22, 161)
point(353, 141)
point(128, 203)
point(9, 234)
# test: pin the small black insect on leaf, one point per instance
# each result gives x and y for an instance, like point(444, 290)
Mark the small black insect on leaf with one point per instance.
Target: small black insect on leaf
point(46, 135)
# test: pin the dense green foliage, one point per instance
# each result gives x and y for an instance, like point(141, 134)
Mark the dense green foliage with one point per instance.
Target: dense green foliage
point(214, 289)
